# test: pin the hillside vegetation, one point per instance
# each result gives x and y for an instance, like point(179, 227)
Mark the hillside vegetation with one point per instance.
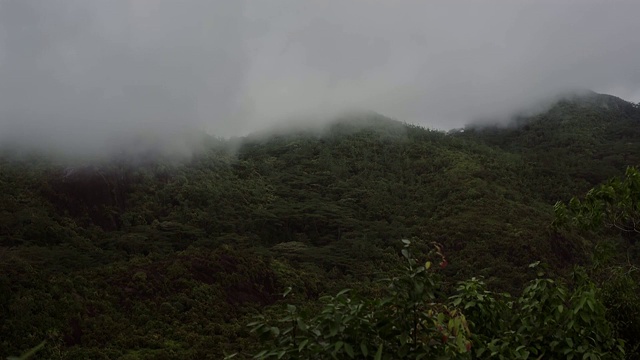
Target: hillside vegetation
point(172, 260)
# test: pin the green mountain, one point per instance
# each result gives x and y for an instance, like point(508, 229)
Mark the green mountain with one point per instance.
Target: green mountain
point(171, 260)
point(578, 141)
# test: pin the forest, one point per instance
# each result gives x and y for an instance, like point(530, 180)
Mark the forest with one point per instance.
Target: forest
point(369, 238)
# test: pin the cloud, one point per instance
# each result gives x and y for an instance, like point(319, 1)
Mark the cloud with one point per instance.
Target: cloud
point(80, 75)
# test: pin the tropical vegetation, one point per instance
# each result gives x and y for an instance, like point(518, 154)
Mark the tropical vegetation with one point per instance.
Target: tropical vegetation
point(515, 241)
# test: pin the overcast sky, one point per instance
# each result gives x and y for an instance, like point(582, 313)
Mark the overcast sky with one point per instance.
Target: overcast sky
point(78, 74)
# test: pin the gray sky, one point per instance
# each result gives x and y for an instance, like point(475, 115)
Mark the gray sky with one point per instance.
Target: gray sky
point(79, 74)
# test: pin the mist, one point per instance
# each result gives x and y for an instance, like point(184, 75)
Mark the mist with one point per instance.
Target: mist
point(85, 77)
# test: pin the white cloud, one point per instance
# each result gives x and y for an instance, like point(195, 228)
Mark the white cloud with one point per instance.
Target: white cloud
point(77, 74)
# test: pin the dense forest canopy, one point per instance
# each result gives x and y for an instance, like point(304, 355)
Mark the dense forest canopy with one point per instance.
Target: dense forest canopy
point(154, 258)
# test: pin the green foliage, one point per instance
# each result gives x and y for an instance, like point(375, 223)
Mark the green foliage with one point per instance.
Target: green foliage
point(404, 323)
point(126, 258)
point(577, 143)
point(549, 321)
point(620, 292)
point(409, 321)
point(614, 204)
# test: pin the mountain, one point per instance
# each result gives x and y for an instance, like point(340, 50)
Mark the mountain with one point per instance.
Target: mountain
point(170, 260)
point(578, 141)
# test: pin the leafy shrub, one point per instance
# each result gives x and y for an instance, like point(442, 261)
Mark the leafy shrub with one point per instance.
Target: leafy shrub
point(413, 321)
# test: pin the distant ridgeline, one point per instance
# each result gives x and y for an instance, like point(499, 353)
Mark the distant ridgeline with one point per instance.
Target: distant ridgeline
point(171, 260)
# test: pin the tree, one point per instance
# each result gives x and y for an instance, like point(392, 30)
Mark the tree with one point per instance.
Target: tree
point(548, 321)
point(406, 323)
point(614, 204)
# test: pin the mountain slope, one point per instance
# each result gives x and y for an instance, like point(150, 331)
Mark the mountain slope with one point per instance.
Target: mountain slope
point(117, 260)
point(578, 143)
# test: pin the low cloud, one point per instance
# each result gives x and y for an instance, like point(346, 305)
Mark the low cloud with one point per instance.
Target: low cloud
point(79, 76)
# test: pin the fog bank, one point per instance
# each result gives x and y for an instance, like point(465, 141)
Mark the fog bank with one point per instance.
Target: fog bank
point(79, 76)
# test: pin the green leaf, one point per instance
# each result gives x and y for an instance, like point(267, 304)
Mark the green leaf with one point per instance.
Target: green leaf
point(333, 330)
point(363, 348)
point(29, 353)
point(379, 353)
point(469, 304)
point(303, 343)
point(286, 292)
point(349, 350)
point(275, 331)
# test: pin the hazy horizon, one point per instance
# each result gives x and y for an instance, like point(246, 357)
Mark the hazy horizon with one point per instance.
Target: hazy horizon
point(79, 76)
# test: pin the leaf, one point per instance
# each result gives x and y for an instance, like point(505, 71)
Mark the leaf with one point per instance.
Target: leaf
point(275, 331)
point(363, 348)
point(469, 304)
point(29, 353)
point(303, 343)
point(333, 330)
point(580, 305)
point(349, 350)
point(427, 265)
point(379, 353)
point(286, 292)
point(405, 253)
